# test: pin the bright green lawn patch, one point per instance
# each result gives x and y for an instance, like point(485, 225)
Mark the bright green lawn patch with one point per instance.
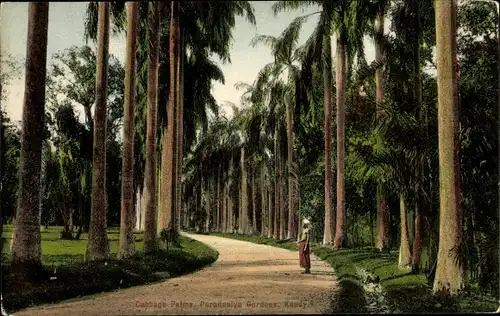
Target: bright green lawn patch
point(75, 278)
point(404, 292)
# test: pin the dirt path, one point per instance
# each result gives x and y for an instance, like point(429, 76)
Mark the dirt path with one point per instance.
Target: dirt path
point(246, 279)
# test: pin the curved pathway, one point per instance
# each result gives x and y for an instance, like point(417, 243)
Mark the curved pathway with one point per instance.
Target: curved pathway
point(246, 279)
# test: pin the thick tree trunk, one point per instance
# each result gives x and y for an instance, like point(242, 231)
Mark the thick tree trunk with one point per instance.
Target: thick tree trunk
point(404, 247)
point(167, 202)
point(26, 243)
point(327, 87)
point(98, 246)
point(449, 274)
point(151, 154)
point(340, 73)
point(127, 248)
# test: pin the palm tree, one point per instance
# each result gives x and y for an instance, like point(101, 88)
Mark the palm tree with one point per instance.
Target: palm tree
point(150, 173)
point(26, 244)
point(286, 54)
point(320, 41)
point(449, 271)
point(127, 198)
point(98, 246)
point(382, 241)
point(167, 210)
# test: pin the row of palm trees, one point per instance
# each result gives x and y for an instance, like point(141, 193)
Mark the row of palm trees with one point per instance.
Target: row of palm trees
point(265, 134)
point(163, 209)
point(217, 155)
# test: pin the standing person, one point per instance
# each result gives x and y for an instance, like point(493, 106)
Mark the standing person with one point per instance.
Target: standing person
point(304, 249)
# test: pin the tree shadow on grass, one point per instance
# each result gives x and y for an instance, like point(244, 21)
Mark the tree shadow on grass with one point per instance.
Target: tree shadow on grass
point(348, 298)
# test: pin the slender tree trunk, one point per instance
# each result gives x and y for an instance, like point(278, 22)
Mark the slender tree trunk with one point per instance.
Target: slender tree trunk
point(420, 170)
point(218, 216)
point(98, 246)
point(382, 212)
point(276, 186)
point(159, 213)
point(449, 274)
point(205, 202)
point(327, 78)
point(340, 73)
point(180, 126)
point(270, 215)
point(282, 233)
point(127, 248)
point(254, 204)
point(230, 197)
point(244, 220)
point(417, 244)
point(150, 169)
point(26, 243)
point(263, 202)
point(291, 171)
point(382, 219)
point(224, 204)
point(404, 247)
point(167, 203)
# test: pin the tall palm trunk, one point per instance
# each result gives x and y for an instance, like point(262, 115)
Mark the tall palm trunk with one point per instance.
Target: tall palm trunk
point(340, 73)
point(382, 212)
point(150, 169)
point(224, 202)
point(98, 246)
point(254, 204)
point(404, 247)
point(218, 197)
point(327, 87)
point(127, 199)
point(263, 202)
point(281, 200)
point(291, 171)
point(270, 215)
point(276, 186)
point(230, 198)
point(26, 244)
point(449, 273)
point(180, 126)
point(420, 170)
point(167, 202)
point(244, 220)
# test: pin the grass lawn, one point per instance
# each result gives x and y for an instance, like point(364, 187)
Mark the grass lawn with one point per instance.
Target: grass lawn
point(404, 292)
point(75, 278)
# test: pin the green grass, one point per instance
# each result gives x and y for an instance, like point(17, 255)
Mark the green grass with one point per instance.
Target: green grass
point(75, 278)
point(404, 292)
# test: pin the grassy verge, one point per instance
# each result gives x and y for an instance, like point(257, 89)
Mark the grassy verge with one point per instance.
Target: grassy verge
point(404, 292)
point(75, 278)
